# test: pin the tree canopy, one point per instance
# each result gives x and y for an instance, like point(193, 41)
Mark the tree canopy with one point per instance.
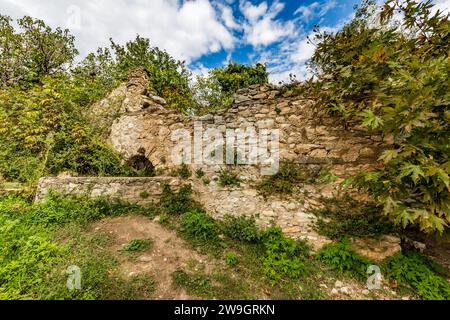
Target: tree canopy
point(389, 67)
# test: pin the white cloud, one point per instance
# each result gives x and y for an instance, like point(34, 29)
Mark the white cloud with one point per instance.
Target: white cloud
point(188, 30)
point(261, 27)
point(315, 9)
point(228, 17)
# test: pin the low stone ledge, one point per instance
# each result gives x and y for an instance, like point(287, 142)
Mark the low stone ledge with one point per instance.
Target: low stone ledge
point(141, 190)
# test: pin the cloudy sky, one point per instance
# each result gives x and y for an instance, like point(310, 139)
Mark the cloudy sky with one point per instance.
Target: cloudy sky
point(204, 33)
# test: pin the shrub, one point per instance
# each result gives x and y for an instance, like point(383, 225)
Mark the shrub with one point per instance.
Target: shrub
point(241, 228)
point(340, 257)
point(414, 269)
point(137, 245)
point(199, 173)
point(229, 178)
point(287, 178)
point(177, 202)
point(284, 257)
point(231, 259)
point(199, 227)
point(184, 171)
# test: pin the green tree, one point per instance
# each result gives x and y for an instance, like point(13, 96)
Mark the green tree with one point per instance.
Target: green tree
point(393, 77)
point(216, 90)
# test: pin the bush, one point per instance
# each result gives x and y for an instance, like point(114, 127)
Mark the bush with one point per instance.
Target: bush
point(413, 269)
point(241, 228)
point(284, 257)
point(184, 171)
point(340, 257)
point(178, 202)
point(229, 178)
point(287, 178)
point(199, 227)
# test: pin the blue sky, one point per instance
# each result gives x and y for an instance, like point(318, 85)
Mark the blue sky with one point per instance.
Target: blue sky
point(204, 33)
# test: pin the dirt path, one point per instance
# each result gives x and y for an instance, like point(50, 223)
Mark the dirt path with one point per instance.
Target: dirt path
point(167, 254)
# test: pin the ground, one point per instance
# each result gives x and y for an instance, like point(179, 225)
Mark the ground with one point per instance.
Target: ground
point(170, 253)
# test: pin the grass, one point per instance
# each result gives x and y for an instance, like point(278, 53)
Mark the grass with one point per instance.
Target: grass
point(38, 242)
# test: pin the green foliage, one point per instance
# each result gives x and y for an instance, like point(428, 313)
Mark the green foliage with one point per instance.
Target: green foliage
point(32, 262)
point(34, 52)
point(137, 245)
point(216, 90)
point(392, 77)
point(199, 173)
point(178, 202)
point(284, 257)
point(231, 259)
point(340, 257)
point(200, 227)
point(169, 78)
point(229, 178)
point(241, 228)
point(184, 171)
point(287, 178)
point(194, 284)
point(345, 217)
point(413, 269)
point(236, 76)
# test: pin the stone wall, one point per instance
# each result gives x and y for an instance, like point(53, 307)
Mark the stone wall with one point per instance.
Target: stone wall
point(307, 135)
point(134, 190)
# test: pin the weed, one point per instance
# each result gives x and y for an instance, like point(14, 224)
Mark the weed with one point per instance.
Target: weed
point(284, 257)
point(137, 245)
point(327, 177)
point(231, 259)
point(184, 171)
point(144, 195)
point(415, 270)
point(199, 227)
point(229, 178)
point(241, 228)
point(199, 173)
point(198, 285)
point(340, 257)
point(177, 202)
point(206, 181)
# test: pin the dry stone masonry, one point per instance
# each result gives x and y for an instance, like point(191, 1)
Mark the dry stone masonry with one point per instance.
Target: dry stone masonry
point(308, 136)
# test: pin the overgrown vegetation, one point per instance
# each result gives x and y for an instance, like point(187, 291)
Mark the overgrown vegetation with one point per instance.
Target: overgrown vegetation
point(340, 257)
point(229, 178)
point(346, 217)
point(289, 176)
point(388, 69)
point(137, 245)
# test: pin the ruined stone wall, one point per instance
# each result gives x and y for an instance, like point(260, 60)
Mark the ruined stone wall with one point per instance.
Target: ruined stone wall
point(307, 135)
point(133, 190)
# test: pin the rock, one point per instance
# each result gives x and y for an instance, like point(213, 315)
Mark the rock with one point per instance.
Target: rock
point(338, 284)
point(240, 98)
point(345, 290)
point(334, 291)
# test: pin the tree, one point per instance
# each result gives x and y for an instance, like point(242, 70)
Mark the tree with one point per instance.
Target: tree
point(34, 52)
point(393, 77)
point(216, 90)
